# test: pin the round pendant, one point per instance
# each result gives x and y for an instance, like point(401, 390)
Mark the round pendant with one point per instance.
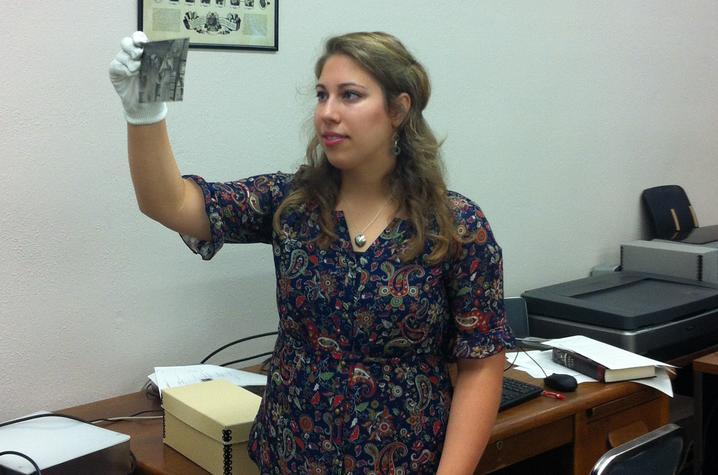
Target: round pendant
point(360, 240)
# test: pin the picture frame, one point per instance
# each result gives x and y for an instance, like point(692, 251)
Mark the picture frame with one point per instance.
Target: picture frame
point(212, 24)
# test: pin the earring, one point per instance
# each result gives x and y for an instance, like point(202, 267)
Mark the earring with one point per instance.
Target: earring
point(396, 150)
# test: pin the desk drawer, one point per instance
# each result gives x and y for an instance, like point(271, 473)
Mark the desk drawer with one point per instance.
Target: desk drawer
point(606, 425)
point(504, 452)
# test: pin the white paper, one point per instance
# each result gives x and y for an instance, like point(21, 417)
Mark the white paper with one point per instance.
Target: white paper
point(174, 376)
point(660, 382)
point(609, 356)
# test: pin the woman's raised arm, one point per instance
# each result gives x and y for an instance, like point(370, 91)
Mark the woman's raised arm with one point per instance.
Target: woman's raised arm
point(161, 192)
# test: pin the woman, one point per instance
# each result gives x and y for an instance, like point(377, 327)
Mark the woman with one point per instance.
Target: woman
point(383, 276)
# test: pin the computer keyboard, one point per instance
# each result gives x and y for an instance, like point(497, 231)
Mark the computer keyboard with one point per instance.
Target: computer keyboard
point(515, 392)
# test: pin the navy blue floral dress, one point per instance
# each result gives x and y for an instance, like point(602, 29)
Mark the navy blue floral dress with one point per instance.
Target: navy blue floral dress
point(358, 381)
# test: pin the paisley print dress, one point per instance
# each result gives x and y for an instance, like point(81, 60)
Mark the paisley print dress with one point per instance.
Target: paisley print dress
point(358, 381)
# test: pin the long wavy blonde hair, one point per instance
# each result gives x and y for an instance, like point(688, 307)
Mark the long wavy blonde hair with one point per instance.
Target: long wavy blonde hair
point(417, 181)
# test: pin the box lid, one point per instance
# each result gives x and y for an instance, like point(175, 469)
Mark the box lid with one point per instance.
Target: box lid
point(213, 408)
point(663, 245)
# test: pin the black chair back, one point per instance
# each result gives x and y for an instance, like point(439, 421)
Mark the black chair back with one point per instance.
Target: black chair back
point(669, 211)
point(658, 452)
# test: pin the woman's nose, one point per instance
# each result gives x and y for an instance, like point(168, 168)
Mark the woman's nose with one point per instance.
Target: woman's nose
point(328, 110)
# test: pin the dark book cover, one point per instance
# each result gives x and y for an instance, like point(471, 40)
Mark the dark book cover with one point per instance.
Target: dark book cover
point(585, 365)
point(580, 363)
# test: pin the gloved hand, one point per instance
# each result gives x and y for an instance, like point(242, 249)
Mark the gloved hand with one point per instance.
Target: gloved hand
point(124, 74)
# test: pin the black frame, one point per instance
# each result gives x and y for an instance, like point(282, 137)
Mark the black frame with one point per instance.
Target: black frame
point(273, 4)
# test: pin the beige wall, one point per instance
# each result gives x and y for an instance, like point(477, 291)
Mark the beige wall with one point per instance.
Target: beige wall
point(556, 115)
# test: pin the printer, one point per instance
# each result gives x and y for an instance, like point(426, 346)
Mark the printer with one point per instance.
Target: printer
point(658, 315)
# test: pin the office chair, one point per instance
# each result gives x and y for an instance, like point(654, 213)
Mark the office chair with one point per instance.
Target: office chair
point(658, 452)
point(669, 211)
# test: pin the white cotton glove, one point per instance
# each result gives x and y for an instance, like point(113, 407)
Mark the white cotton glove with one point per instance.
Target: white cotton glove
point(124, 74)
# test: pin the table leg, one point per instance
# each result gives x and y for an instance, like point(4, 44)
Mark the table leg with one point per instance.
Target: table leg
point(698, 415)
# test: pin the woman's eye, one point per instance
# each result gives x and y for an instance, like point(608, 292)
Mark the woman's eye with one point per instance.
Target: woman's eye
point(351, 95)
point(321, 95)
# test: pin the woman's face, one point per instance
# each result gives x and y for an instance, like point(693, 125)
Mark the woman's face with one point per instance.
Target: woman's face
point(351, 118)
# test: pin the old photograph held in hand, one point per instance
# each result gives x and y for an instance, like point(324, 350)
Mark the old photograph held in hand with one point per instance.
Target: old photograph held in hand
point(162, 70)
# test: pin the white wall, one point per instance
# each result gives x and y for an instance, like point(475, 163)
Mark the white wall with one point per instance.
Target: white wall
point(556, 114)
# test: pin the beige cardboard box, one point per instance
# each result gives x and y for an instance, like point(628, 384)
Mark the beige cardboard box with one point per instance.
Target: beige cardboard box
point(209, 423)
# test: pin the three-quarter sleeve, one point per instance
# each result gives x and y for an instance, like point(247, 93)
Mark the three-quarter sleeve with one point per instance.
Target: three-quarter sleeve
point(475, 287)
point(239, 211)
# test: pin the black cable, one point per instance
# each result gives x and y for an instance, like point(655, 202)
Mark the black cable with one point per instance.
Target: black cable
point(527, 354)
point(151, 391)
point(266, 364)
point(64, 416)
point(709, 458)
point(687, 455)
point(236, 342)
point(145, 412)
point(247, 358)
point(38, 416)
point(19, 454)
point(516, 355)
point(111, 420)
point(511, 365)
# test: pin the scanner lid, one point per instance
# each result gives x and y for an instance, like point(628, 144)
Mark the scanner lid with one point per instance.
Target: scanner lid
point(623, 300)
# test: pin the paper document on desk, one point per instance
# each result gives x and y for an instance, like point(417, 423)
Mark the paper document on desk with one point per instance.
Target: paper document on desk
point(609, 356)
point(174, 376)
point(542, 362)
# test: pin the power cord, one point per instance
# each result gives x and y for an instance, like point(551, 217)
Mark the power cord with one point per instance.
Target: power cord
point(151, 391)
point(126, 418)
point(241, 340)
point(513, 362)
point(246, 359)
point(687, 451)
point(38, 416)
point(20, 454)
point(521, 348)
point(709, 458)
point(92, 422)
point(532, 359)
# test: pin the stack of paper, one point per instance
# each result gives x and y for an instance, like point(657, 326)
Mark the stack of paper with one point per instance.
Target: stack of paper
point(175, 376)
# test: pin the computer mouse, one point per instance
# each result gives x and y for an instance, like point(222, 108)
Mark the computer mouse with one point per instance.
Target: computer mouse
point(561, 382)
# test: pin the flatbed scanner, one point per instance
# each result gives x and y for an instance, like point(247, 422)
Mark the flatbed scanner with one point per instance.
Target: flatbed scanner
point(652, 314)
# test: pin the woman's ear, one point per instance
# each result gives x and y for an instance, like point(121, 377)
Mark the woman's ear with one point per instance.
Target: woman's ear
point(400, 109)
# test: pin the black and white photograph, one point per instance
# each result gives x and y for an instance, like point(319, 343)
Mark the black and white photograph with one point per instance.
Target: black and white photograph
point(162, 70)
point(238, 24)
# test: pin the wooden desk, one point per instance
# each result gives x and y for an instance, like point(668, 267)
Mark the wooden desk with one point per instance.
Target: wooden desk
point(589, 422)
point(707, 364)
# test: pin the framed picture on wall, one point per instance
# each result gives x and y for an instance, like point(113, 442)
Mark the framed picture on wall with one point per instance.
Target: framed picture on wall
point(226, 24)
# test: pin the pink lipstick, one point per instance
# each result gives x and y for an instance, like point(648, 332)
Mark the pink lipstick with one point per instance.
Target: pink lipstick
point(332, 140)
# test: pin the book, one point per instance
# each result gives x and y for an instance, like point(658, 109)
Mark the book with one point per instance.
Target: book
point(585, 365)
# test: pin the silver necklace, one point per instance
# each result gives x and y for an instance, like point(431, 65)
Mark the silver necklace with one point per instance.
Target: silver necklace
point(360, 238)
